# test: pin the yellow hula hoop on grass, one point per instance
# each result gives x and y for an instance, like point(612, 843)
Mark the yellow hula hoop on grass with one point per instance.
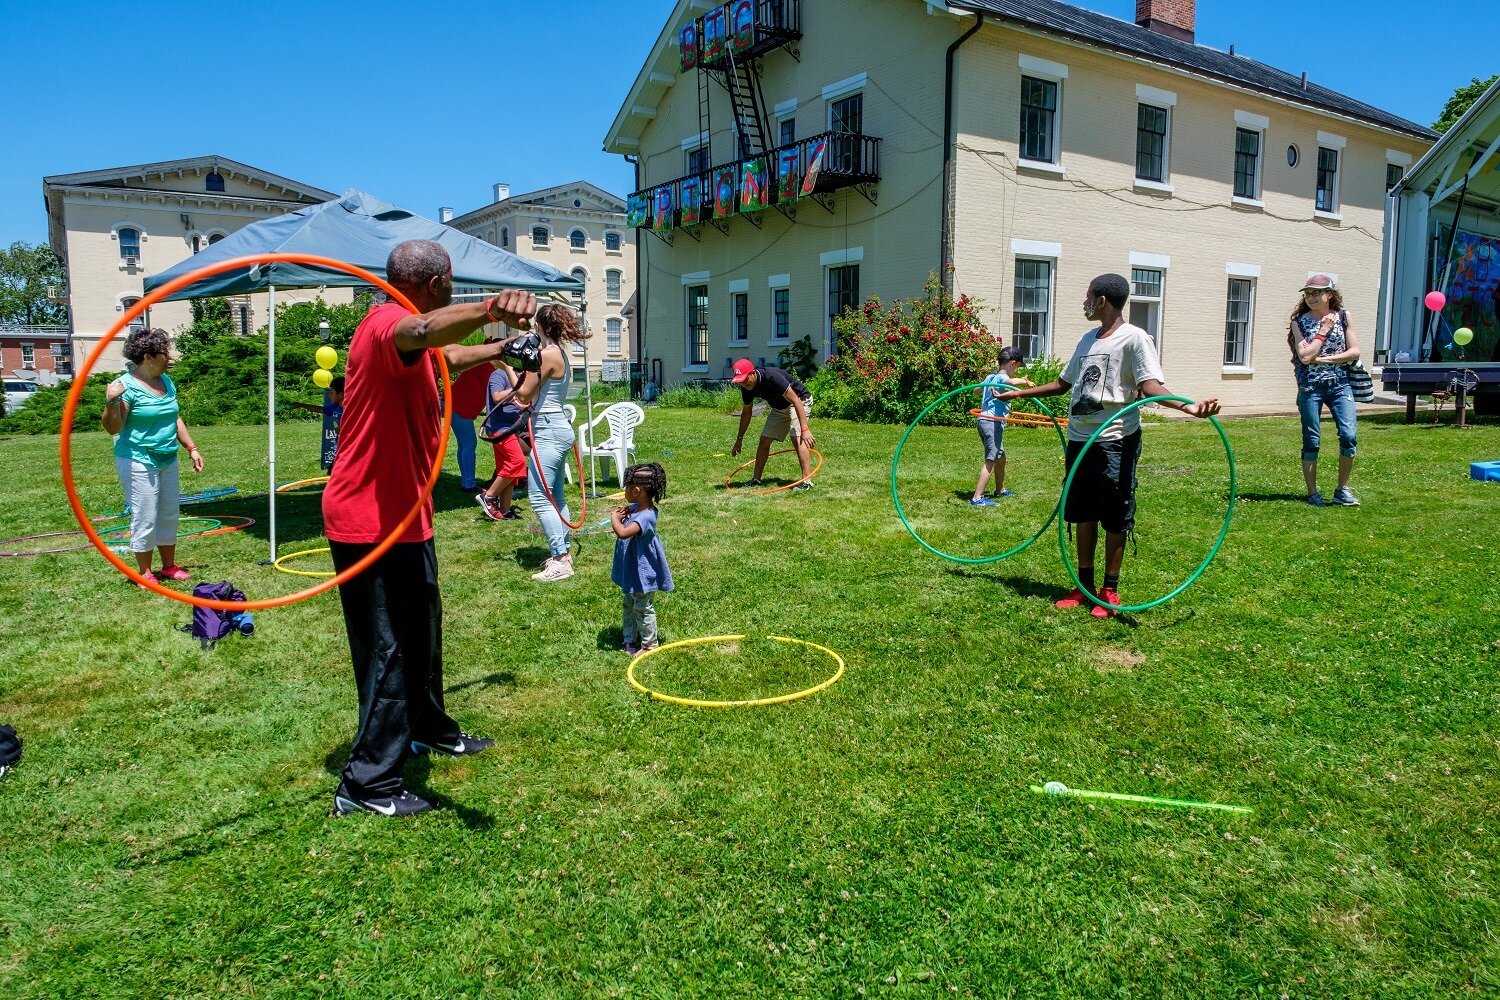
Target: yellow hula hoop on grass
point(298, 555)
point(748, 703)
point(290, 487)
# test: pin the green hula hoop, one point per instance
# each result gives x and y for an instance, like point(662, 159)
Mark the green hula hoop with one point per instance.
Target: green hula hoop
point(210, 525)
point(1062, 535)
point(901, 513)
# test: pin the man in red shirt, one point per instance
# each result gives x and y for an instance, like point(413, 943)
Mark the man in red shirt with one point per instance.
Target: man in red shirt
point(388, 438)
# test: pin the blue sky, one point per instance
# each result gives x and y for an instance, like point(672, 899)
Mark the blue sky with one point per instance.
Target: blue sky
point(428, 104)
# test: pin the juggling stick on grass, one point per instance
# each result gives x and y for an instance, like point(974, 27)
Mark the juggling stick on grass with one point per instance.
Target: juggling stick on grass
point(1058, 788)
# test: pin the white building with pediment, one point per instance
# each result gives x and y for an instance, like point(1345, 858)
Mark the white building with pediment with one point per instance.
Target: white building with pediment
point(113, 227)
point(578, 228)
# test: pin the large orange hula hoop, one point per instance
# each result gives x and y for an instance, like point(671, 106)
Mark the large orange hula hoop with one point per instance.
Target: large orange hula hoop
point(1021, 418)
point(777, 489)
point(70, 409)
point(583, 501)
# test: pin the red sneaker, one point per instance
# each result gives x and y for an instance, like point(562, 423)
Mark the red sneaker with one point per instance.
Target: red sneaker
point(1108, 595)
point(175, 573)
point(150, 576)
point(1074, 599)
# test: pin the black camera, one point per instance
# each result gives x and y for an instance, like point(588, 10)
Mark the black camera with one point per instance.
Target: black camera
point(524, 353)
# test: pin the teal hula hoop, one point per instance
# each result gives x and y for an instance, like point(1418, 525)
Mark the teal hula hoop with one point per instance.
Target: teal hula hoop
point(1062, 535)
point(901, 513)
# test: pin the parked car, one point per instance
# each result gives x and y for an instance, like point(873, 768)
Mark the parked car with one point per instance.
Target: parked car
point(17, 392)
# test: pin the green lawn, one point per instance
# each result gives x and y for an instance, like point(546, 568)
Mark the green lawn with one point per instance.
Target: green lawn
point(167, 833)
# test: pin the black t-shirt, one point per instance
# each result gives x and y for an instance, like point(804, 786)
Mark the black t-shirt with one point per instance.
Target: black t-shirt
point(772, 387)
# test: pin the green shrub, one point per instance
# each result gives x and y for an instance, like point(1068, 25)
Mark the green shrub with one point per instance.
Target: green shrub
point(695, 397)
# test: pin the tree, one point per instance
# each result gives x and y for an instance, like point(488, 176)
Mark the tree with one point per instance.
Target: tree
point(1463, 98)
point(26, 272)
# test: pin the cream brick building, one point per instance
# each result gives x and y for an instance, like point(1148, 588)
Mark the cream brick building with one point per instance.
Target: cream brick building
point(580, 229)
point(1019, 147)
point(113, 227)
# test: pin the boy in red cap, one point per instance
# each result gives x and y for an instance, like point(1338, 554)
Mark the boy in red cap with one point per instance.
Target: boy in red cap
point(790, 403)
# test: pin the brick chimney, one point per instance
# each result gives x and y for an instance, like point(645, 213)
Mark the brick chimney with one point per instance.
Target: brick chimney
point(1173, 18)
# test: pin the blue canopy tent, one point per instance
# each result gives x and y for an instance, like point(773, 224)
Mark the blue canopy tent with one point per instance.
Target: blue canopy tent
point(360, 230)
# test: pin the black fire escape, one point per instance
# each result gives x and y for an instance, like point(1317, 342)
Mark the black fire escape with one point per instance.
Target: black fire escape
point(845, 159)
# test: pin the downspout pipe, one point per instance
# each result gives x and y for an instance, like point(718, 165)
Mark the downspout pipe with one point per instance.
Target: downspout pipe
point(948, 144)
point(640, 291)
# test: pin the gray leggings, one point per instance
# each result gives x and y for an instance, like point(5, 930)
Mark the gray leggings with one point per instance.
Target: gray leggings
point(639, 620)
point(153, 497)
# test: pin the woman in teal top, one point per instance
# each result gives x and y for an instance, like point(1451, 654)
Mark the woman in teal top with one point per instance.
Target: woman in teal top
point(140, 408)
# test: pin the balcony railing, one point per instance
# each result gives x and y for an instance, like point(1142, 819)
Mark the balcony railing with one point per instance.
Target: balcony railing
point(813, 166)
point(741, 29)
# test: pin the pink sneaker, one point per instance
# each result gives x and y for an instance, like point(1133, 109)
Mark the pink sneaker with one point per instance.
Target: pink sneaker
point(150, 576)
point(1108, 595)
point(1074, 599)
point(175, 573)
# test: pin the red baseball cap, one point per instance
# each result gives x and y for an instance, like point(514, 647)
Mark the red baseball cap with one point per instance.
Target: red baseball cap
point(743, 369)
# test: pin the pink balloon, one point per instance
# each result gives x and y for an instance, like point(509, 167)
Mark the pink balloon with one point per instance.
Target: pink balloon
point(1435, 300)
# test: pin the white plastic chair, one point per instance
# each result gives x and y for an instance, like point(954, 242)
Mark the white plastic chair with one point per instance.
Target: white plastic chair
point(622, 418)
point(572, 413)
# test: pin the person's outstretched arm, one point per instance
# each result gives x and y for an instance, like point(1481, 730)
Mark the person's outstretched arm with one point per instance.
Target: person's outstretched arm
point(452, 323)
point(1202, 408)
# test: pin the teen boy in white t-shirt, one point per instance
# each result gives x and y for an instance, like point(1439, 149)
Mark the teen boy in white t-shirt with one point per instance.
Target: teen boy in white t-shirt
point(1113, 364)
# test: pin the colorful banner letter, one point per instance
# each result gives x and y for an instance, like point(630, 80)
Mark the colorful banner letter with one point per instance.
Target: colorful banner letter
point(724, 192)
point(714, 27)
point(743, 20)
point(789, 174)
point(815, 153)
point(754, 195)
point(664, 209)
point(638, 210)
point(691, 190)
point(689, 39)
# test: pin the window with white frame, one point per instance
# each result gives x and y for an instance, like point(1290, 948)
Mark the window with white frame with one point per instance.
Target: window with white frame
point(1031, 322)
point(28, 355)
point(786, 129)
point(142, 321)
point(781, 314)
point(697, 324)
point(214, 181)
point(1238, 316)
point(695, 158)
point(1151, 143)
point(583, 276)
point(130, 244)
point(612, 285)
point(1393, 174)
point(846, 115)
point(1038, 119)
point(1145, 301)
point(1246, 163)
point(540, 236)
point(578, 240)
point(843, 293)
point(1328, 180)
point(214, 238)
point(244, 321)
point(505, 236)
point(739, 317)
point(611, 242)
point(612, 327)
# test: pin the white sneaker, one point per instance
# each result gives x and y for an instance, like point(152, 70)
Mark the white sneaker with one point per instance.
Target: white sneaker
point(554, 570)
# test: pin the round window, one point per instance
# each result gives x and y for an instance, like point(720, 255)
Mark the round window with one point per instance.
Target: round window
point(577, 202)
point(1291, 155)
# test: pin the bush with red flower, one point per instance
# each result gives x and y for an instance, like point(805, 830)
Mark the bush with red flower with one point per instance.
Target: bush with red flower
point(892, 360)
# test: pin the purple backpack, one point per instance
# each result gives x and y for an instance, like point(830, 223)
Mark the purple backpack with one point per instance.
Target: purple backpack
point(209, 625)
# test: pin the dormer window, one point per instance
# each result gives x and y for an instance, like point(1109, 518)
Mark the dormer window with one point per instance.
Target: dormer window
point(214, 181)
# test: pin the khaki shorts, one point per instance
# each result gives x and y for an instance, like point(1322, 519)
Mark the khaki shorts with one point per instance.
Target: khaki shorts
point(778, 422)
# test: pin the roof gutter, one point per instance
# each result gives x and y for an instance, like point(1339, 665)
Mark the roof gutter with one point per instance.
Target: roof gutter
point(949, 141)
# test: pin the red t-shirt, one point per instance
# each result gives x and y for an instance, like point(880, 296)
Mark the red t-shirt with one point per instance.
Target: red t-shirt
point(388, 438)
point(469, 392)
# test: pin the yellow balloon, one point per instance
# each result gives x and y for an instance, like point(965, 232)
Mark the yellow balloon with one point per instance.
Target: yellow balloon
point(322, 378)
point(1462, 336)
point(327, 357)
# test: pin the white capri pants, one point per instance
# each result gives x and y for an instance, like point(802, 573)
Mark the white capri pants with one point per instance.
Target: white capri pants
point(154, 498)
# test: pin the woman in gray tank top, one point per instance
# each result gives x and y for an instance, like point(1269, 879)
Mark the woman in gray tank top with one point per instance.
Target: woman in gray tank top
point(552, 436)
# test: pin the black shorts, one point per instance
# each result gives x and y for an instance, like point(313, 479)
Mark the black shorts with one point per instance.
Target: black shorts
point(1104, 489)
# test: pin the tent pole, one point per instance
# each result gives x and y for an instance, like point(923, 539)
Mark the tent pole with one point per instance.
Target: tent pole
point(271, 419)
point(588, 395)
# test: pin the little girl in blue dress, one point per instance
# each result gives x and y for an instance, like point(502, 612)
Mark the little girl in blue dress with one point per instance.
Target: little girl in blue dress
point(640, 568)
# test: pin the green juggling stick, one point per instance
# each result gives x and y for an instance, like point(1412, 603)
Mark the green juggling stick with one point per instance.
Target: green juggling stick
point(1058, 788)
